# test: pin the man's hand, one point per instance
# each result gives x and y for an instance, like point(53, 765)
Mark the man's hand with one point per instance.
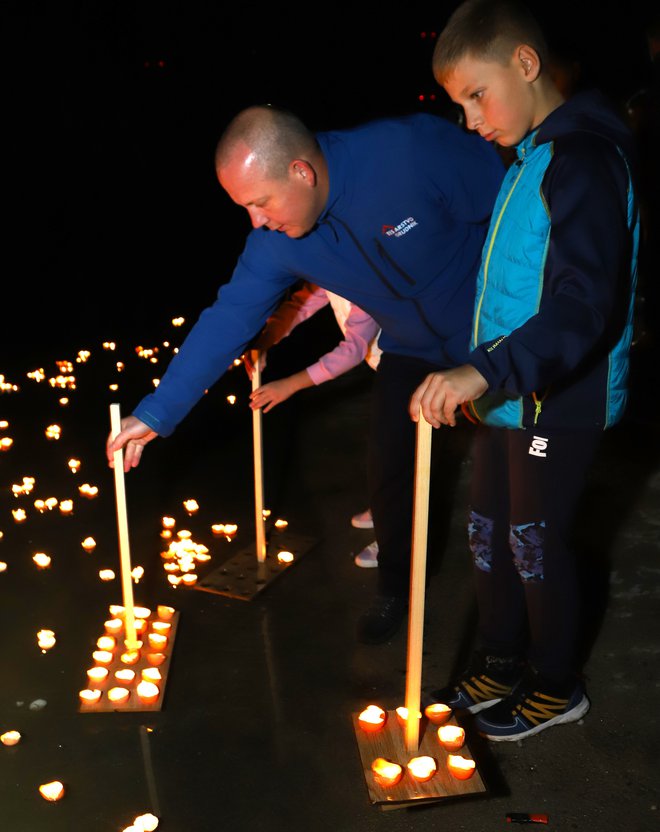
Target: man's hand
point(440, 394)
point(133, 435)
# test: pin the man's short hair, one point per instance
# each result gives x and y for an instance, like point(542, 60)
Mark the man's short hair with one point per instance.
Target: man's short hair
point(275, 136)
point(488, 30)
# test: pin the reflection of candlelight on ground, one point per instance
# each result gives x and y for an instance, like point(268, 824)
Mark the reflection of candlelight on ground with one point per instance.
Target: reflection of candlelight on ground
point(285, 557)
point(402, 715)
point(89, 696)
point(106, 643)
point(10, 738)
point(385, 772)
point(46, 639)
point(125, 675)
point(164, 613)
point(97, 674)
point(191, 506)
point(103, 657)
point(422, 768)
point(437, 713)
point(460, 767)
point(66, 506)
point(106, 575)
point(88, 544)
point(372, 718)
point(113, 626)
point(157, 641)
point(52, 791)
point(451, 737)
point(19, 514)
point(42, 560)
point(156, 659)
point(74, 464)
point(118, 695)
point(148, 692)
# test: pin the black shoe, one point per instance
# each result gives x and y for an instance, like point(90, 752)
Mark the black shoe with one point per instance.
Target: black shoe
point(487, 681)
point(382, 620)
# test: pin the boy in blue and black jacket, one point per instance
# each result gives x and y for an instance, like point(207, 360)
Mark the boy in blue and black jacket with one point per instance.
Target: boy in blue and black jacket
point(548, 366)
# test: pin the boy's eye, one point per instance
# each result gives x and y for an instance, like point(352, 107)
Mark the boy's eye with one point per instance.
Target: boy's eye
point(478, 94)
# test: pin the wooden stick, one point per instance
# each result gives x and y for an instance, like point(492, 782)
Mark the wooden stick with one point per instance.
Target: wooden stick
point(259, 520)
point(417, 582)
point(124, 548)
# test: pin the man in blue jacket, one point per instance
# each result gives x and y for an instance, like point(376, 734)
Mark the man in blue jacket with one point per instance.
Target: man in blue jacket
point(391, 215)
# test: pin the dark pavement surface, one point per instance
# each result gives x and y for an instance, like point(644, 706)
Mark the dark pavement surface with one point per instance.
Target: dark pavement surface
point(255, 731)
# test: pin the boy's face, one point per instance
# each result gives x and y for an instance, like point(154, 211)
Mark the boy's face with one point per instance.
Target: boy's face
point(498, 100)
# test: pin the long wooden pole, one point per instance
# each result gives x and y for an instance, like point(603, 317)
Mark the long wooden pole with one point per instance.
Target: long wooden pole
point(259, 519)
point(418, 582)
point(122, 523)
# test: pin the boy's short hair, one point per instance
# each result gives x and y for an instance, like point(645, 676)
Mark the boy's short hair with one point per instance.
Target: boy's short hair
point(489, 30)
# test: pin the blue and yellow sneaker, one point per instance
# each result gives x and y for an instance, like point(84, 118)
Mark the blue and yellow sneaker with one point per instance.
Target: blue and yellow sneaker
point(535, 704)
point(487, 681)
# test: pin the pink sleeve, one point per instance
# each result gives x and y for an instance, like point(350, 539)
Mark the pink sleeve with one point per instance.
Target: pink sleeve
point(301, 305)
point(361, 330)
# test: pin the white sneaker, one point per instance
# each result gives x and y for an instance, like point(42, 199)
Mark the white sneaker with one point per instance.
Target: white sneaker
point(368, 557)
point(364, 520)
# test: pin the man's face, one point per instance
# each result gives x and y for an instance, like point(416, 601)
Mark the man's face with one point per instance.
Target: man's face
point(496, 99)
point(288, 205)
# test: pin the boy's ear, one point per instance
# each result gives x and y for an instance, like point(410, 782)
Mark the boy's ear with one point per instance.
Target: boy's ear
point(529, 62)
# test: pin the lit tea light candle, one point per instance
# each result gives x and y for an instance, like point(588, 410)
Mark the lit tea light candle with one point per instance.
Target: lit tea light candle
point(130, 657)
point(140, 626)
point(3, 566)
point(402, 715)
point(165, 613)
point(161, 627)
point(46, 640)
point(372, 718)
point(42, 560)
point(102, 657)
point(188, 579)
point(89, 696)
point(281, 524)
point(66, 507)
point(385, 772)
point(285, 557)
point(437, 713)
point(422, 768)
point(174, 580)
point(10, 738)
point(106, 643)
point(191, 506)
point(141, 612)
point(157, 641)
point(113, 626)
point(151, 674)
point(106, 575)
point(116, 611)
point(64, 401)
point(148, 692)
point(451, 737)
point(218, 529)
point(171, 567)
point(89, 544)
point(230, 529)
point(52, 791)
point(126, 676)
point(19, 514)
point(74, 465)
point(460, 767)
point(156, 659)
point(146, 823)
point(5, 443)
point(118, 695)
point(97, 675)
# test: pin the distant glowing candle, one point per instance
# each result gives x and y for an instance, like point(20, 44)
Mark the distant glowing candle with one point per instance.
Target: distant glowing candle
point(191, 506)
point(169, 522)
point(460, 767)
point(88, 544)
point(148, 692)
point(146, 823)
point(106, 574)
point(74, 465)
point(452, 737)
point(118, 695)
point(372, 718)
point(422, 768)
point(52, 791)
point(66, 507)
point(10, 738)
point(46, 640)
point(19, 514)
point(281, 524)
point(89, 696)
point(385, 772)
point(285, 557)
point(437, 713)
point(3, 566)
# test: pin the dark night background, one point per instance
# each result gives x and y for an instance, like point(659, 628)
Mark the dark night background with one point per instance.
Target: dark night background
point(113, 219)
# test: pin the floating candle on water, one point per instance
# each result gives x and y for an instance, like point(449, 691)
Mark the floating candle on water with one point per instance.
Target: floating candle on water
point(460, 767)
point(52, 791)
point(97, 674)
point(102, 657)
point(437, 713)
point(89, 696)
point(422, 768)
point(118, 695)
point(42, 560)
point(285, 557)
point(10, 738)
point(451, 737)
point(148, 692)
point(386, 773)
point(372, 718)
point(88, 544)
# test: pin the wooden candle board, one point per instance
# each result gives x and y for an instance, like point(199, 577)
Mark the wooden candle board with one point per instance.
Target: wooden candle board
point(389, 742)
point(104, 705)
point(244, 576)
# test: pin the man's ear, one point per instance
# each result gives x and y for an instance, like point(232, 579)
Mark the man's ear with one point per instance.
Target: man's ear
point(530, 62)
point(303, 171)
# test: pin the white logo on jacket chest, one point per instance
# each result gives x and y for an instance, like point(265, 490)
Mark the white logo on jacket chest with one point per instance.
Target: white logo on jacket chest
point(399, 230)
point(539, 446)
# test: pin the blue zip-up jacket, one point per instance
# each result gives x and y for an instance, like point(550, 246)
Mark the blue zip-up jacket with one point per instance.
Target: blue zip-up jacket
point(400, 236)
point(554, 304)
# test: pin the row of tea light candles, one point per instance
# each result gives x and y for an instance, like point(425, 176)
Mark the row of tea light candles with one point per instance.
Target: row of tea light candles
point(147, 689)
point(451, 737)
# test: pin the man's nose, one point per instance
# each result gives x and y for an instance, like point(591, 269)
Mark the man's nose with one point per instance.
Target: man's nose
point(257, 217)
